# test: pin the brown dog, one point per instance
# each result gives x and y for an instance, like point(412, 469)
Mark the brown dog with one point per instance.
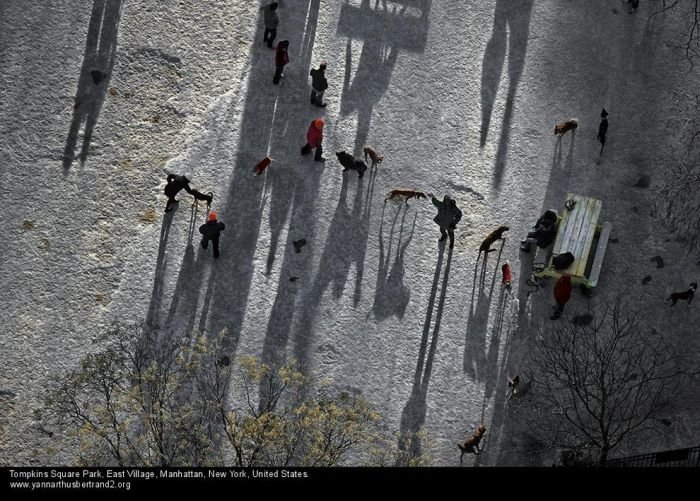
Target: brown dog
point(564, 127)
point(262, 165)
point(405, 193)
point(491, 238)
point(373, 155)
point(472, 443)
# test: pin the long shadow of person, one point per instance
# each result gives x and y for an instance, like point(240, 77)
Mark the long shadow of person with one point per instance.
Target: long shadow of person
point(183, 307)
point(392, 295)
point(362, 225)
point(371, 80)
point(477, 323)
point(153, 315)
point(96, 70)
point(345, 237)
point(516, 17)
point(413, 415)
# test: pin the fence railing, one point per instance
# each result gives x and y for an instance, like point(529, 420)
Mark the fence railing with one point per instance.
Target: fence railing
point(678, 457)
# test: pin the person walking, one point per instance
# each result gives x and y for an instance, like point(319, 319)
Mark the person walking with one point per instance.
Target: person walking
point(271, 22)
point(603, 129)
point(319, 84)
point(281, 60)
point(177, 183)
point(562, 294)
point(211, 230)
point(447, 217)
point(314, 139)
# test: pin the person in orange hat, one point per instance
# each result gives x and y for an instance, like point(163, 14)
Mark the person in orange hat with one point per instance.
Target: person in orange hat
point(314, 138)
point(211, 230)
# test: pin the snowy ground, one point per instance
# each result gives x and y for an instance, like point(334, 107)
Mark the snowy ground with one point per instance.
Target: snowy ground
point(460, 98)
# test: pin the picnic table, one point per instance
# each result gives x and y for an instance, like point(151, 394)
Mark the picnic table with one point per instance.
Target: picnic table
point(579, 233)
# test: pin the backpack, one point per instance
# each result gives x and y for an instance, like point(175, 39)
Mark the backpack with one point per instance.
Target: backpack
point(562, 261)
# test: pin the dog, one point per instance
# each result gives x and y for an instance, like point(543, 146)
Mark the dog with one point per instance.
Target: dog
point(350, 162)
point(405, 193)
point(675, 296)
point(373, 155)
point(472, 443)
point(262, 165)
point(564, 127)
point(491, 238)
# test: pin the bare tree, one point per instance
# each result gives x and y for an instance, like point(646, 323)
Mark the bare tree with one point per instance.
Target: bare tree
point(690, 14)
point(282, 420)
point(145, 402)
point(134, 402)
point(595, 385)
point(678, 203)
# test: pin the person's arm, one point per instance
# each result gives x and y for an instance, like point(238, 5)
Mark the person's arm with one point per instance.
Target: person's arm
point(222, 226)
point(458, 216)
point(435, 201)
point(203, 228)
point(188, 189)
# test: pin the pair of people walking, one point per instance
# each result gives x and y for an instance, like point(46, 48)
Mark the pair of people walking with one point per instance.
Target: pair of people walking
point(211, 230)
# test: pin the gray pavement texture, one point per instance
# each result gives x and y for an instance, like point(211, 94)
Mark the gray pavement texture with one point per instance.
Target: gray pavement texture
point(100, 98)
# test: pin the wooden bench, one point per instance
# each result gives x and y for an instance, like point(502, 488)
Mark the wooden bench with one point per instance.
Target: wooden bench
point(576, 232)
point(599, 254)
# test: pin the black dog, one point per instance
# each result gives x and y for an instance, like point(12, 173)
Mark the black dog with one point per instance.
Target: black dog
point(675, 296)
point(350, 162)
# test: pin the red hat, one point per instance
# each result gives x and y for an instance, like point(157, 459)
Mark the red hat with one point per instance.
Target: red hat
point(319, 123)
point(212, 216)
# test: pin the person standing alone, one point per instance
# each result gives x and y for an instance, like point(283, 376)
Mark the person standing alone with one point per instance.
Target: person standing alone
point(603, 129)
point(447, 217)
point(271, 22)
point(319, 84)
point(281, 60)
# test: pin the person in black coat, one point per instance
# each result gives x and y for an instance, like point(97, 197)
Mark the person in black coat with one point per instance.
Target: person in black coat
point(603, 129)
point(211, 230)
point(319, 84)
point(175, 184)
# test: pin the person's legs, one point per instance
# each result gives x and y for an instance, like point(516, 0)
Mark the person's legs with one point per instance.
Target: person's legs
point(319, 154)
point(451, 232)
point(215, 243)
point(278, 74)
point(444, 235)
point(265, 35)
point(313, 96)
point(306, 149)
point(319, 100)
point(273, 35)
point(204, 242)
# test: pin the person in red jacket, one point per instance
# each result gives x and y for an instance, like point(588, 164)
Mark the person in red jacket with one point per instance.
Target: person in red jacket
point(281, 59)
point(314, 138)
point(562, 294)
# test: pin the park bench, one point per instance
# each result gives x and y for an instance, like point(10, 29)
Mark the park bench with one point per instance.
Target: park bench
point(579, 233)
